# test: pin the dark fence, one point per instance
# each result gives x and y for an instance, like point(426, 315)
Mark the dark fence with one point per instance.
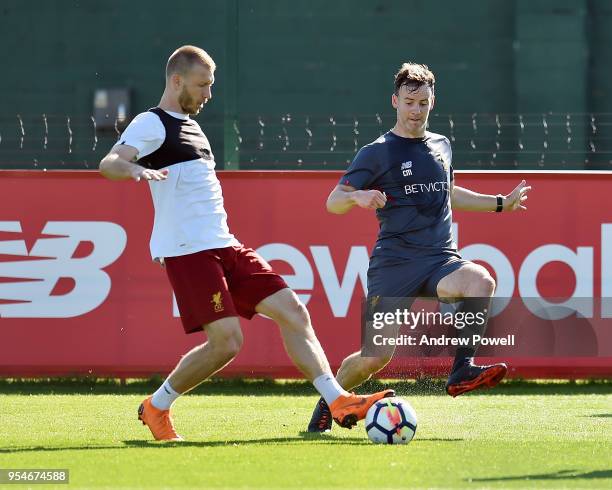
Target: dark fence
point(547, 141)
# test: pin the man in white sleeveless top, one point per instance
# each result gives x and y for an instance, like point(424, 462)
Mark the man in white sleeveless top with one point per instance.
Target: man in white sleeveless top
point(214, 277)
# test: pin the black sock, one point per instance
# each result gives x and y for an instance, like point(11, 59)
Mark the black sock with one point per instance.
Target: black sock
point(475, 317)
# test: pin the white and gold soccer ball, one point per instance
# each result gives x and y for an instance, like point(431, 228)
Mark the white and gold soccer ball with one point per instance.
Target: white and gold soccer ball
point(391, 421)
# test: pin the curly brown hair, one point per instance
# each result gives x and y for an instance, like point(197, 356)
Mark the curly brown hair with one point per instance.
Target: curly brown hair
point(414, 75)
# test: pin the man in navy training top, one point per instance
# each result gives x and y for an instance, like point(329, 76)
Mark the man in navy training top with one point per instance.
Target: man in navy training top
point(407, 177)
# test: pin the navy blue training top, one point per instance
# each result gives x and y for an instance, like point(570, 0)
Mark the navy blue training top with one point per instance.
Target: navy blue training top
point(415, 174)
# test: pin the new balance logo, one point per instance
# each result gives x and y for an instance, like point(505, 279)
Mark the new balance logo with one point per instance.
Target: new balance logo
point(30, 279)
point(406, 168)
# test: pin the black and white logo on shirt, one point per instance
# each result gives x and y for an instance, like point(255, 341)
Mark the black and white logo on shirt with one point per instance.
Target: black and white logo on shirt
point(407, 168)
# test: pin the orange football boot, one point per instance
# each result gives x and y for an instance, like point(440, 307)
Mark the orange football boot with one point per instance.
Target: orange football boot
point(159, 421)
point(348, 409)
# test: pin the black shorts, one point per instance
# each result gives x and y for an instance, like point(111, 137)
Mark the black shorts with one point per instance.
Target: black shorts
point(393, 277)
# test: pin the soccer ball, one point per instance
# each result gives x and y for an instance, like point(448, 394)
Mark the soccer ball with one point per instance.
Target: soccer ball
point(391, 421)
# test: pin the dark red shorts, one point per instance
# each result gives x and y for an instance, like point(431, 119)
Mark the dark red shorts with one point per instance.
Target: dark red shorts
point(219, 283)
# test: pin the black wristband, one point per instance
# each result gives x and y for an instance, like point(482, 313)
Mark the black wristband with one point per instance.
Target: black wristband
point(500, 204)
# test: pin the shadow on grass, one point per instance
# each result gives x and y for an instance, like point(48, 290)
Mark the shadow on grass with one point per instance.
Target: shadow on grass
point(599, 415)
point(558, 475)
point(302, 438)
point(138, 443)
point(266, 387)
point(273, 441)
point(324, 436)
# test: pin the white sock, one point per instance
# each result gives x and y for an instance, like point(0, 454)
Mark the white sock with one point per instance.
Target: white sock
point(328, 387)
point(164, 397)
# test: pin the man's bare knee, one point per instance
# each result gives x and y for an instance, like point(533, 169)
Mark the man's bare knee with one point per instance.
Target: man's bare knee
point(230, 344)
point(482, 285)
point(488, 284)
point(226, 339)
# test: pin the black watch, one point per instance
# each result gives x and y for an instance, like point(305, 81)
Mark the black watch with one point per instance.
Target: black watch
point(500, 204)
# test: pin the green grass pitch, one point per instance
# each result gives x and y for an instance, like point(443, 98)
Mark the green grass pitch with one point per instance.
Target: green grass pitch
point(249, 435)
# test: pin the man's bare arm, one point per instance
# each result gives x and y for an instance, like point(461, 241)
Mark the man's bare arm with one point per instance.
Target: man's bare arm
point(344, 197)
point(467, 200)
point(119, 165)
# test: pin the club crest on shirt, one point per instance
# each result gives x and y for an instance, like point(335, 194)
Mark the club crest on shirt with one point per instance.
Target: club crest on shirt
point(217, 302)
point(407, 168)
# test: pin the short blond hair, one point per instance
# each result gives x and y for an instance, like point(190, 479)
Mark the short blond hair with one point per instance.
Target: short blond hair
point(185, 57)
point(414, 76)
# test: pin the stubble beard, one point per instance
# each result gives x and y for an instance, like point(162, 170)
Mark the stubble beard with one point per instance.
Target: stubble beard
point(187, 104)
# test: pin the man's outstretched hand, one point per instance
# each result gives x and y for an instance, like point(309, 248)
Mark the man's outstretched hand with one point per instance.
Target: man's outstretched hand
point(149, 174)
point(516, 199)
